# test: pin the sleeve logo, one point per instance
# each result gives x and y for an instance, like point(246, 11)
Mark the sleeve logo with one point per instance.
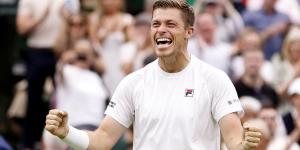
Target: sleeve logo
point(232, 101)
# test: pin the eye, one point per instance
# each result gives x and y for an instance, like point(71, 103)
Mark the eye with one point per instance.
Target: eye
point(155, 24)
point(171, 25)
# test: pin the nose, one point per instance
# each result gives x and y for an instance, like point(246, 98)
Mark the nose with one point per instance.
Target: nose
point(162, 29)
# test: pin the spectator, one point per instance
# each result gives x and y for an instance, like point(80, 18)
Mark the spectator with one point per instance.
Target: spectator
point(40, 21)
point(133, 53)
point(229, 21)
point(287, 64)
point(205, 46)
point(108, 31)
point(271, 25)
point(80, 91)
point(247, 41)
point(292, 118)
point(252, 84)
point(290, 7)
point(278, 138)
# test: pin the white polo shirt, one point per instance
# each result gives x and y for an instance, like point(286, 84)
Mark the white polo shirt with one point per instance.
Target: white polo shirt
point(178, 111)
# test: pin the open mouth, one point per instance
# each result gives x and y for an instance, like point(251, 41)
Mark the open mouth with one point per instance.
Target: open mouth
point(163, 42)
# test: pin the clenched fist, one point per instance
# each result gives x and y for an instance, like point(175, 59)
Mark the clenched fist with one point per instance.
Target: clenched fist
point(252, 137)
point(56, 123)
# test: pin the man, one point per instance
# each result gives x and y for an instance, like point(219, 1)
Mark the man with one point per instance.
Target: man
point(227, 28)
point(291, 119)
point(271, 25)
point(252, 83)
point(176, 102)
point(278, 138)
point(205, 46)
point(40, 22)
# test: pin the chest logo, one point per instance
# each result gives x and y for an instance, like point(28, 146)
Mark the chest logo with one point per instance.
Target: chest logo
point(189, 92)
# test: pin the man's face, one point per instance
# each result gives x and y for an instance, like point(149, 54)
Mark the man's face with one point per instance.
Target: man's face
point(206, 26)
point(250, 42)
point(168, 32)
point(269, 116)
point(253, 62)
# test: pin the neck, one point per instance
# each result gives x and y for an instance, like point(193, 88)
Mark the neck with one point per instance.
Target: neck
point(174, 63)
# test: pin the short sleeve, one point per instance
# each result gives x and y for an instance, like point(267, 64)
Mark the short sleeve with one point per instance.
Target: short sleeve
point(224, 96)
point(24, 7)
point(121, 106)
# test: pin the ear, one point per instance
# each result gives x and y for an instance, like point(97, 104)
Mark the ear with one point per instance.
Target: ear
point(189, 32)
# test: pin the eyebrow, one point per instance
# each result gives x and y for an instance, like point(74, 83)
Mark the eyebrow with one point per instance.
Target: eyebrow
point(157, 20)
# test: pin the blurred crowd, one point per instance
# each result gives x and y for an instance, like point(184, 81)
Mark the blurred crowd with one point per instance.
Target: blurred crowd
point(75, 57)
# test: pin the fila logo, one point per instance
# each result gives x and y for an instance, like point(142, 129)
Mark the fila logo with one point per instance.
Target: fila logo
point(189, 93)
point(232, 101)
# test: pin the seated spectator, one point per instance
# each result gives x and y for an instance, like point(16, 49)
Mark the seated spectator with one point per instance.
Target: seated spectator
point(290, 7)
point(271, 25)
point(286, 65)
point(248, 40)
point(292, 118)
point(205, 46)
point(278, 138)
point(229, 22)
point(252, 84)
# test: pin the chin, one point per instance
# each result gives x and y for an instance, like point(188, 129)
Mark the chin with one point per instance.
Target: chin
point(163, 53)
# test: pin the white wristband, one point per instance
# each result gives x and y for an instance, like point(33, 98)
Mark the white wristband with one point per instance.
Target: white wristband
point(77, 139)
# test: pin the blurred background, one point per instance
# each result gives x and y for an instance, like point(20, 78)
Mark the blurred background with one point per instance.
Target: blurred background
point(71, 55)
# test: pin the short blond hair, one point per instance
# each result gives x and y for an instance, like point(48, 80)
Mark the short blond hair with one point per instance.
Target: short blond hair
point(187, 11)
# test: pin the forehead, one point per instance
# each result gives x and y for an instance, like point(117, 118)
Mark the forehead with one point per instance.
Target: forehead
point(167, 14)
point(268, 112)
point(256, 54)
point(205, 19)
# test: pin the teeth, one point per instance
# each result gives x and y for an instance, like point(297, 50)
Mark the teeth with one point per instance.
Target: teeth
point(163, 40)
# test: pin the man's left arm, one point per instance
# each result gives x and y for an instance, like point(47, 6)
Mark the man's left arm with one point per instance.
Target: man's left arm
point(235, 136)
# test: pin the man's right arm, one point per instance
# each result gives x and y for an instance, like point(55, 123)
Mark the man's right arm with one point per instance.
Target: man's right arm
point(103, 138)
